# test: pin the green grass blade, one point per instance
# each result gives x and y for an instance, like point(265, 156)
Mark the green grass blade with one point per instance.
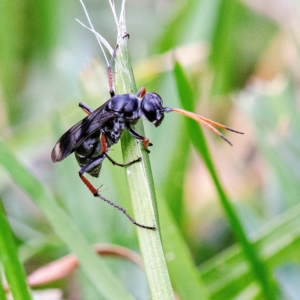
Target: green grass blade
point(13, 269)
point(94, 268)
point(182, 21)
point(142, 191)
point(278, 241)
point(197, 137)
point(21, 39)
point(222, 46)
point(233, 53)
point(179, 260)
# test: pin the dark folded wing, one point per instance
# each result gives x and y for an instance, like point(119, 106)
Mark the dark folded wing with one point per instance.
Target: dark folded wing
point(77, 134)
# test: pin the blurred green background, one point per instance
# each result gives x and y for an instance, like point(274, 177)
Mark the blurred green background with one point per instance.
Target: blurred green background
point(242, 61)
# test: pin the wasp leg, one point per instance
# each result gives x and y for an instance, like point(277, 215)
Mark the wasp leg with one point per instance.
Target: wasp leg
point(97, 161)
point(126, 35)
point(95, 192)
point(88, 110)
point(109, 72)
point(141, 93)
point(146, 142)
point(109, 68)
point(105, 150)
point(123, 165)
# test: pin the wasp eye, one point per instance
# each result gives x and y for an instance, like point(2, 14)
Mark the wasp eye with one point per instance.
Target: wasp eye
point(152, 108)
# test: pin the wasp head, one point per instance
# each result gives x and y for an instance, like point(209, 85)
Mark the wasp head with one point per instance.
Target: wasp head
point(152, 108)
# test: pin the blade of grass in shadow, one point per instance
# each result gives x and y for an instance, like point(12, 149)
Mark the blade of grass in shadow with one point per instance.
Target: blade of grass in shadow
point(186, 97)
point(13, 269)
point(179, 260)
point(141, 189)
point(95, 268)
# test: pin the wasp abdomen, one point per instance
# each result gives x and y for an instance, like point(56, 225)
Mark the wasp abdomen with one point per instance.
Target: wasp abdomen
point(88, 151)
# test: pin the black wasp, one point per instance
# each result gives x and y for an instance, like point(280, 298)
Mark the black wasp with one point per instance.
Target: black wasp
point(91, 138)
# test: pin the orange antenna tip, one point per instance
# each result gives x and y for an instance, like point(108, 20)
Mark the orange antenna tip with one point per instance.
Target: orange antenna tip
point(206, 122)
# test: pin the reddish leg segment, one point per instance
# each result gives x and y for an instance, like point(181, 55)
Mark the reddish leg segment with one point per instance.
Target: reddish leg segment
point(95, 192)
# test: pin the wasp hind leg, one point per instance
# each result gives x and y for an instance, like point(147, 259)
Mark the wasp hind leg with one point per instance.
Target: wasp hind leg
point(96, 193)
point(97, 161)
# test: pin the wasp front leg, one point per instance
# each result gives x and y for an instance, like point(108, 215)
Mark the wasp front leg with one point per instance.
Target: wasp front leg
point(146, 142)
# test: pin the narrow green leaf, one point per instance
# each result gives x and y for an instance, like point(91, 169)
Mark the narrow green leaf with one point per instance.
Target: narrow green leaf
point(222, 44)
point(142, 191)
point(197, 137)
point(179, 259)
point(94, 267)
point(233, 53)
point(182, 21)
point(13, 269)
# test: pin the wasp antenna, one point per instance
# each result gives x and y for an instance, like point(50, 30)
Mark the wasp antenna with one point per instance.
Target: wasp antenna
point(233, 130)
point(168, 109)
point(213, 123)
point(206, 122)
point(224, 138)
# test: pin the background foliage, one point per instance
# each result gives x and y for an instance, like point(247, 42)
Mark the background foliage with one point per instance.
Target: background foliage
point(242, 64)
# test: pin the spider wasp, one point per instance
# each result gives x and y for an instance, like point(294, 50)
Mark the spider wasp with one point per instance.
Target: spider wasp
point(91, 138)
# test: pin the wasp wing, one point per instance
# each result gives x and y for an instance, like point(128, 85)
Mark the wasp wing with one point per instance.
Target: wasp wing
point(78, 133)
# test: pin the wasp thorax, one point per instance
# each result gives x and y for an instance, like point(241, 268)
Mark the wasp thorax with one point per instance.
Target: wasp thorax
point(126, 105)
point(152, 108)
